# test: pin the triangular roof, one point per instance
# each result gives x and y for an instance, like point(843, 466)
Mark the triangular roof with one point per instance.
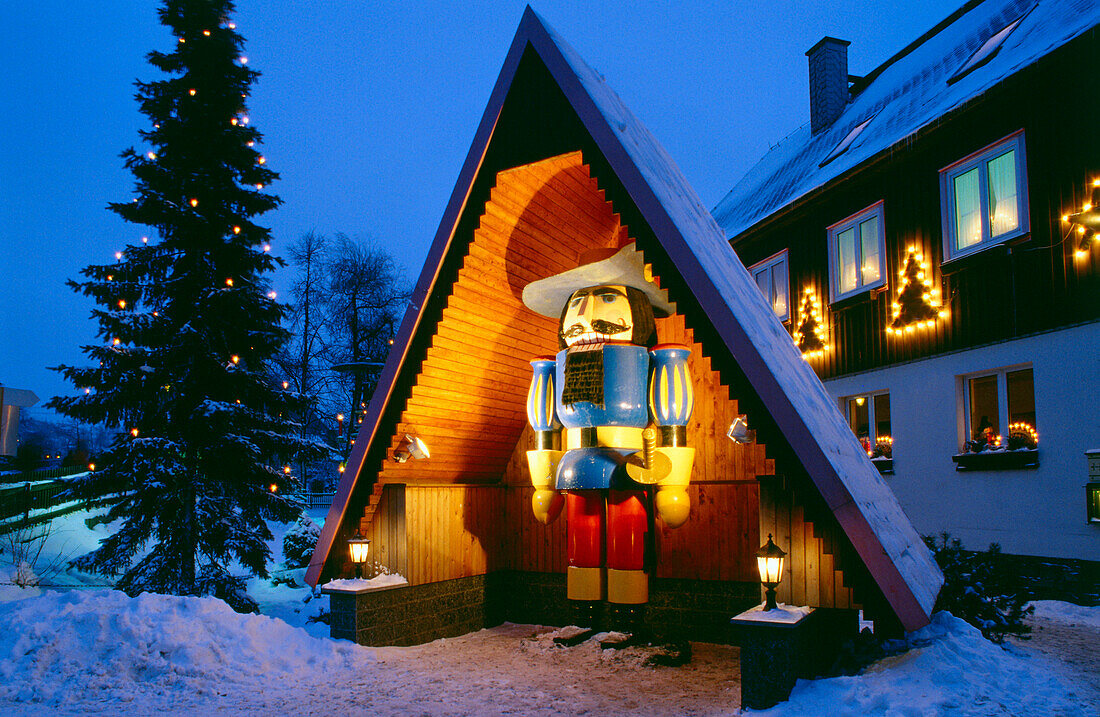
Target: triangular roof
point(704, 277)
point(911, 92)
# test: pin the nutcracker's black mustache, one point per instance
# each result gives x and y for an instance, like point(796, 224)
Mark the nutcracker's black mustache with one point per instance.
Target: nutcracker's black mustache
point(599, 326)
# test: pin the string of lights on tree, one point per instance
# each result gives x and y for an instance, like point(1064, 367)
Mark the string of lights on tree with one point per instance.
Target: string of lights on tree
point(918, 304)
point(810, 335)
point(189, 327)
point(1086, 223)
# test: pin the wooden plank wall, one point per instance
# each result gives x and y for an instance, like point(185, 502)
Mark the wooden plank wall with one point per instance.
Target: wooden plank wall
point(468, 400)
point(387, 531)
point(453, 531)
point(812, 569)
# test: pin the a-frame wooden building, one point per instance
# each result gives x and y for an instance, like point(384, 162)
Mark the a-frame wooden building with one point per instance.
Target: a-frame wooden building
point(559, 166)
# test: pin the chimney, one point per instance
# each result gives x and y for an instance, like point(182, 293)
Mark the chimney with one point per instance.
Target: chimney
point(828, 81)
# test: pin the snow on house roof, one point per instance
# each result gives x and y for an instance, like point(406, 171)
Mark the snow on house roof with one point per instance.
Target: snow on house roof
point(919, 85)
point(864, 506)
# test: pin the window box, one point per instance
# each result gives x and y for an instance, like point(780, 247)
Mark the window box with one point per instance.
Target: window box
point(772, 276)
point(857, 253)
point(999, 411)
point(984, 198)
point(997, 460)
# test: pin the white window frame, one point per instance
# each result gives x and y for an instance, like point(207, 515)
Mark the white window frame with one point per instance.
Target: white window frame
point(767, 265)
point(1002, 400)
point(872, 424)
point(853, 222)
point(981, 160)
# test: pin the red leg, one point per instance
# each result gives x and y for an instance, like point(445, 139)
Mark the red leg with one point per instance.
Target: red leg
point(627, 581)
point(586, 530)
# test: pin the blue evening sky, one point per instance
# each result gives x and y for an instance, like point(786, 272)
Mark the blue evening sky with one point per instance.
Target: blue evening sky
point(368, 109)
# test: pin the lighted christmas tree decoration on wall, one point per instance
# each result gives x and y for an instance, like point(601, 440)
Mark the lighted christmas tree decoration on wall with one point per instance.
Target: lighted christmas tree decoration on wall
point(810, 334)
point(1085, 224)
point(918, 304)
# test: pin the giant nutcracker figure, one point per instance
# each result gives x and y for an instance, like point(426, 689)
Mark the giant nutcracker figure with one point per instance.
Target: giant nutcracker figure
point(624, 404)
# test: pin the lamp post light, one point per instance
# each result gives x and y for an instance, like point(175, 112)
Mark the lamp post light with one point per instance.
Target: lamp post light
point(358, 546)
point(769, 560)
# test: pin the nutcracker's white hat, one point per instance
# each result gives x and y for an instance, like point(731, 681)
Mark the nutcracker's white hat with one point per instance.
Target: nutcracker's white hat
point(622, 267)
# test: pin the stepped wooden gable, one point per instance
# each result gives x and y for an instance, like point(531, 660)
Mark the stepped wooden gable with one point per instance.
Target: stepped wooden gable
point(557, 167)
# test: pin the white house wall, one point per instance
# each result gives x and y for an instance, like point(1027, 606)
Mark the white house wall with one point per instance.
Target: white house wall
point(1038, 511)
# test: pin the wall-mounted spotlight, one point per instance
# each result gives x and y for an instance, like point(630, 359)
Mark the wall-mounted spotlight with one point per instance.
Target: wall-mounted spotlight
point(739, 431)
point(410, 447)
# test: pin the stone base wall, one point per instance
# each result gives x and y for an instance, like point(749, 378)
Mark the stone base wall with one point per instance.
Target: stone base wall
point(414, 614)
point(410, 614)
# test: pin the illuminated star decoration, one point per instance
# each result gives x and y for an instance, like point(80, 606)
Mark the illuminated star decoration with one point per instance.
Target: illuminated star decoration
point(918, 304)
point(1086, 223)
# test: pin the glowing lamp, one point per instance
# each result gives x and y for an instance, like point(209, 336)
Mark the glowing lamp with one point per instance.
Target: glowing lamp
point(273, 488)
point(91, 466)
point(134, 432)
point(769, 561)
point(358, 547)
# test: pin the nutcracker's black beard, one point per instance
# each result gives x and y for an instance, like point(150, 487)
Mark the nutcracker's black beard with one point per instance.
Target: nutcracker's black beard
point(583, 377)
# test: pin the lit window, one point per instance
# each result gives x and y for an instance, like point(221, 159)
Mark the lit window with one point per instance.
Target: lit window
point(771, 276)
point(984, 198)
point(999, 411)
point(856, 252)
point(869, 418)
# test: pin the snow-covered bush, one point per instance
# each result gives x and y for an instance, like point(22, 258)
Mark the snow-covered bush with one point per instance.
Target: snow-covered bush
point(980, 588)
point(299, 541)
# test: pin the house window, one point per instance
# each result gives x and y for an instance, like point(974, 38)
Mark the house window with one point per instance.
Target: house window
point(772, 277)
point(984, 198)
point(1000, 410)
point(856, 253)
point(869, 418)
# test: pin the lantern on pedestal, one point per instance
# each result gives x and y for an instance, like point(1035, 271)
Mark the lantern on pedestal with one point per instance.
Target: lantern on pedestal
point(358, 546)
point(769, 560)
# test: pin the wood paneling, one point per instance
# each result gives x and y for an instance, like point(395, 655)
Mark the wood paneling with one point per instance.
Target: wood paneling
point(811, 570)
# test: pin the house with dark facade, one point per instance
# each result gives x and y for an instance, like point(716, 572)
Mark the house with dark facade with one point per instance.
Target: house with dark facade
point(928, 241)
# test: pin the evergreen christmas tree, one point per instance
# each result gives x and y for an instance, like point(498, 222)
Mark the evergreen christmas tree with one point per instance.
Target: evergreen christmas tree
point(190, 324)
point(810, 333)
point(916, 305)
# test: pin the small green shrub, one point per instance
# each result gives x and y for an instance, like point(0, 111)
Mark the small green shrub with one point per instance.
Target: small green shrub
point(299, 541)
point(978, 587)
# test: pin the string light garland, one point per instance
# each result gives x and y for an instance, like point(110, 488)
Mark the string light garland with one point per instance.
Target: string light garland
point(918, 304)
point(1086, 223)
point(810, 334)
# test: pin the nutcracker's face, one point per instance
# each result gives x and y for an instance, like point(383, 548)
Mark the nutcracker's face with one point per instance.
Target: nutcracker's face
point(597, 315)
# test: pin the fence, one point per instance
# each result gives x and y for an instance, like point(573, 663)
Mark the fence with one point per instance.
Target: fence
point(316, 500)
point(16, 477)
point(22, 499)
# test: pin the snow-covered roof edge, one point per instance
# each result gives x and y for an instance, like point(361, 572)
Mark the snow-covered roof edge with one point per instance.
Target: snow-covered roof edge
point(864, 506)
point(906, 95)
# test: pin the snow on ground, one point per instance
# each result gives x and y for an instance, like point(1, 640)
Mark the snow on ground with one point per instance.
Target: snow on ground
point(1067, 613)
point(93, 651)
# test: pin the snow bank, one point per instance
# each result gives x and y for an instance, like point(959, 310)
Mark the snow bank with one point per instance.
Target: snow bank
point(72, 647)
point(950, 669)
point(1067, 613)
point(378, 581)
